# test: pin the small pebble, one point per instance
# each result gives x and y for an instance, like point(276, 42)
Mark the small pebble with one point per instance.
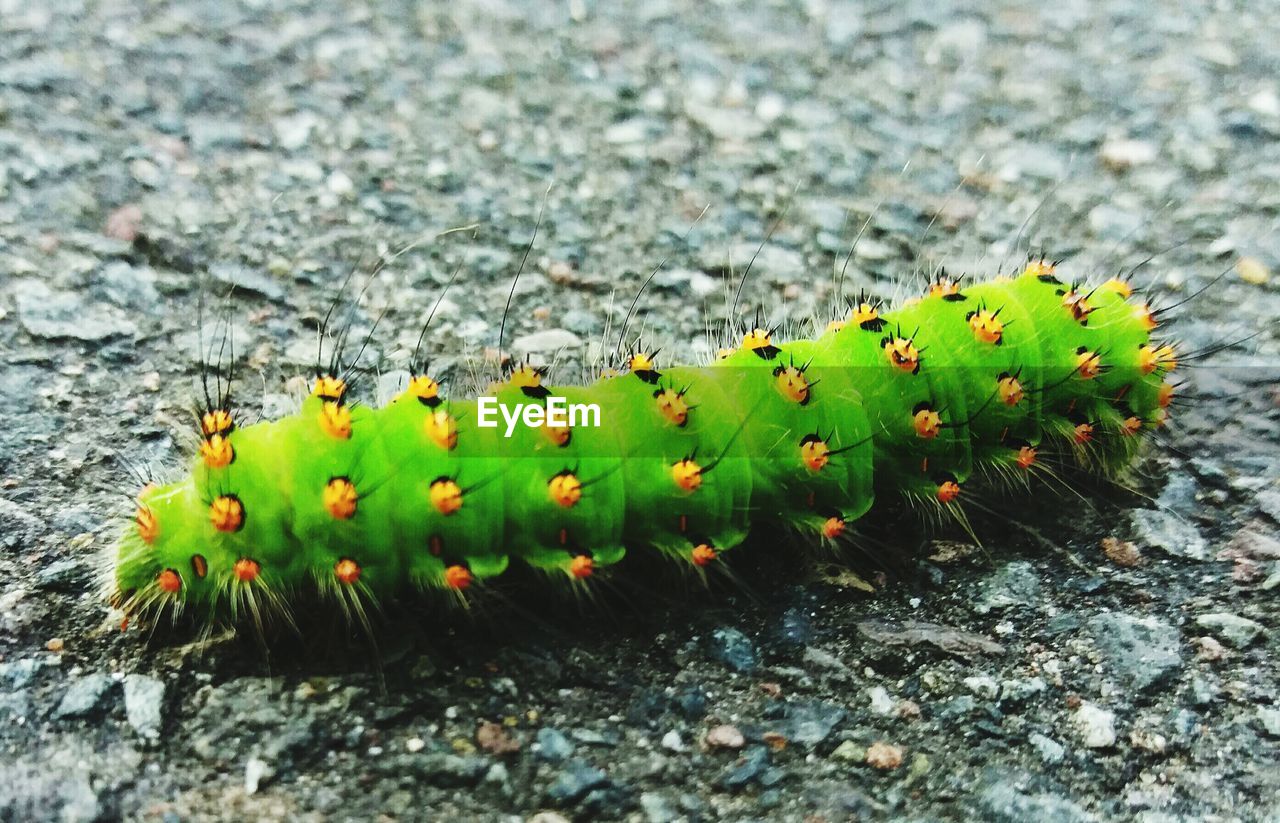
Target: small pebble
point(1235, 630)
point(1121, 552)
point(1097, 726)
point(725, 737)
point(884, 756)
point(1253, 271)
point(256, 773)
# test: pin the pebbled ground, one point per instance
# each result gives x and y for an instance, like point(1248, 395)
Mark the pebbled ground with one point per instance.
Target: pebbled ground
point(150, 153)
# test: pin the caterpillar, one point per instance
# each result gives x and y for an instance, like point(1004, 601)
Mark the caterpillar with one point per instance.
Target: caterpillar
point(342, 503)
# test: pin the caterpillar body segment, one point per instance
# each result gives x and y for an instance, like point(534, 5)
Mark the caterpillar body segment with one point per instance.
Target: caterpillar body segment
point(805, 428)
point(429, 492)
point(688, 479)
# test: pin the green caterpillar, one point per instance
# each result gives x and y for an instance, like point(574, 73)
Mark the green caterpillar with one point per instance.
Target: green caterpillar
point(350, 504)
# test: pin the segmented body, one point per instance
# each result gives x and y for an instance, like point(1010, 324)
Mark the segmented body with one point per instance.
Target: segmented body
point(347, 501)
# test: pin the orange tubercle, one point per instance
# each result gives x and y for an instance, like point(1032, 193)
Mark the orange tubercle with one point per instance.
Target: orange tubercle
point(340, 498)
point(335, 420)
point(792, 384)
point(246, 570)
point(927, 423)
point(948, 490)
point(642, 363)
point(703, 554)
point(756, 339)
point(1146, 317)
point(226, 513)
point(199, 566)
point(442, 429)
point(581, 567)
point(986, 327)
point(424, 388)
point(217, 452)
point(1118, 286)
point(458, 577)
point(1131, 425)
point(525, 376)
point(347, 571)
point(1088, 364)
point(687, 474)
point(864, 313)
point(815, 454)
point(148, 525)
point(1075, 303)
point(446, 495)
point(1010, 390)
point(833, 527)
point(1165, 395)
point(565, 490)
point(1151, 357)
point(902, 353)
point(169, 581)
point(1026, 457)
point(1083, 433)
point(217, 421)
point(943, 287)
point(558, 436)
point(1040, 268)
point(328, 387)
point(672, 405)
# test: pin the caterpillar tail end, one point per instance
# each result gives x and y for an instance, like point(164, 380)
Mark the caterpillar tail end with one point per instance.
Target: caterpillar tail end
point(140, 574)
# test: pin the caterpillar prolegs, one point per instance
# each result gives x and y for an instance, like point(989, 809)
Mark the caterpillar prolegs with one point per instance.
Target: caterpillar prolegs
point(341, 501)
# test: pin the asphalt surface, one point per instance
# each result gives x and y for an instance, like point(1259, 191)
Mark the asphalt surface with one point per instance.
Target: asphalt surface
point(154, 153)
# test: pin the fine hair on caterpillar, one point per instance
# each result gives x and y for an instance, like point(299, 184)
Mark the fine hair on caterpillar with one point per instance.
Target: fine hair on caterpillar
point(974, 386)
